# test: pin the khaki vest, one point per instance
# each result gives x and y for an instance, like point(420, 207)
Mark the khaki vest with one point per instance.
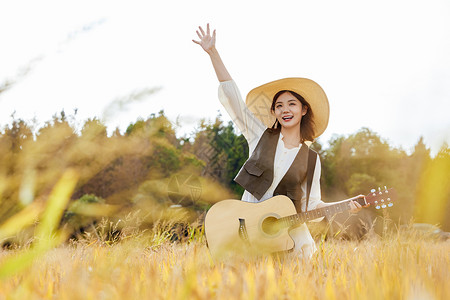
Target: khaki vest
point(256, 175)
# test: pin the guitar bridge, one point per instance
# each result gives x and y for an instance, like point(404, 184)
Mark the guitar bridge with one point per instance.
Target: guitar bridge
point(243, 232)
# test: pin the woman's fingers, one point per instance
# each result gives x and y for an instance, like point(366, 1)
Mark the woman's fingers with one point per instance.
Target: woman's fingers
point(201, 29)
point(208, 31)
point(357, 204)
point(354, 206)
point(205, 40)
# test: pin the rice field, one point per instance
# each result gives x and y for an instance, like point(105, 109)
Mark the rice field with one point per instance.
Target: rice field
point(397, 266)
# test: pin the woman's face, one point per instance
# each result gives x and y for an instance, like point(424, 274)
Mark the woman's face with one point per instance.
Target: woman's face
point(289, 110)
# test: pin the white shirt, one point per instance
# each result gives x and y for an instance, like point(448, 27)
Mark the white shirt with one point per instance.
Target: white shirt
point(252, 129)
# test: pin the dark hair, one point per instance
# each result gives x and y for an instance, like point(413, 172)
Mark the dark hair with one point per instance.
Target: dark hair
point(307, 126)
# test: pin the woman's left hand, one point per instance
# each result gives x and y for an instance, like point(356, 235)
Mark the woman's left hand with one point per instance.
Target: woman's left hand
point(355, 206)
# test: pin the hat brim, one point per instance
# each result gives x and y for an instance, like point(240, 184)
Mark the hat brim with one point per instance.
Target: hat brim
point(259, 100)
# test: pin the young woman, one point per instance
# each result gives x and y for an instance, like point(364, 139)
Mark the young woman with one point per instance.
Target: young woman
point(279, 117)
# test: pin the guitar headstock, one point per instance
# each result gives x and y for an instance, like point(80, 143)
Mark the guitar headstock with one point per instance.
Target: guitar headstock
point(381, 198)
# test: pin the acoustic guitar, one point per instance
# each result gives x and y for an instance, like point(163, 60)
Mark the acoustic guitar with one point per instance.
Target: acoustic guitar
point(260, 228)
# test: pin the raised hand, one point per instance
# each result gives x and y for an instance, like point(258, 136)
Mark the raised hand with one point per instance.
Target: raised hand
point(207, 41)
point(208, 44)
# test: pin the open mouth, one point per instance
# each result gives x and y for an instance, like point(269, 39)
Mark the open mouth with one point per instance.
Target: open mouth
point(287, 118)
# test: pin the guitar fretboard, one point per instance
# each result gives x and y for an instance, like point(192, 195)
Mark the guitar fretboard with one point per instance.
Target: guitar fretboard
point(314, 214)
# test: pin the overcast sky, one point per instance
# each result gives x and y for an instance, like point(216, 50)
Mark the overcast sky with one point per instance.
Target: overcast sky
point(383, 64)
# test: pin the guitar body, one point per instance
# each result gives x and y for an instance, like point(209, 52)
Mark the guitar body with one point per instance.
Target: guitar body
point(236, 226)
point(257, 228)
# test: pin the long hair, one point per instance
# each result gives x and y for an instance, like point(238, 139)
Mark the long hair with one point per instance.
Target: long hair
point(307, 126)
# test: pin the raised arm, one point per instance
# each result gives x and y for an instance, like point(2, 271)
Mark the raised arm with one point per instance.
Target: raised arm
point(208, 44)
point(229, 95)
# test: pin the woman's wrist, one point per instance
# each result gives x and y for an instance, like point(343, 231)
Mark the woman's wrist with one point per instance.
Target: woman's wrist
point(213, 51)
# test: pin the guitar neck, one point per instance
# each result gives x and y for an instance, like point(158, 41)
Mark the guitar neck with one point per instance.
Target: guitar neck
point(380, 199)
point(314, 214)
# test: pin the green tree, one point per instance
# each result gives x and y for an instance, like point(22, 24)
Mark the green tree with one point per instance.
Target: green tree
point(222, 150)
point(355, 164)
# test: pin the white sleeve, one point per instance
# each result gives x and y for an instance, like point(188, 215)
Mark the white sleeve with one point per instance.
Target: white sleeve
point(315, 197)
point(249, 125)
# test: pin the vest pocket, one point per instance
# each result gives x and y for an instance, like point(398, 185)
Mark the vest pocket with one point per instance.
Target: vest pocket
point(253, 169)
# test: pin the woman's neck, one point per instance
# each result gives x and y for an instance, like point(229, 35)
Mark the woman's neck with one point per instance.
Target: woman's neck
point(291, 136)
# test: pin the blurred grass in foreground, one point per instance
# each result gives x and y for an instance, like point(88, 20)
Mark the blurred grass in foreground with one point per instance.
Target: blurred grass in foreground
point(47, 234)
point(433, 192)
point(401, 265)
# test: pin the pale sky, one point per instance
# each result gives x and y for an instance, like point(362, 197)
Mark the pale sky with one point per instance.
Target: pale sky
point(383, 64)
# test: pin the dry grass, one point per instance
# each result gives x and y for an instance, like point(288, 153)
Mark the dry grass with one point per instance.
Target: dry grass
point(396, 267)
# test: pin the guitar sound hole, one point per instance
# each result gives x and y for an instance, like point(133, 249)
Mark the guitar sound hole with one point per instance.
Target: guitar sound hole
point(269, 226)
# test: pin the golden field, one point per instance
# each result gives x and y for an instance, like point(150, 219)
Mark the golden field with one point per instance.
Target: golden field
point(401, 265)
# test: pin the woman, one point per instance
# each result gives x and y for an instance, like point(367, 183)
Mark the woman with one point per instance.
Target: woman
point(279, 118)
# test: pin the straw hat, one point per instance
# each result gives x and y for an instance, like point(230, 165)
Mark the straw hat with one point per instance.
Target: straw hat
point(259, 100)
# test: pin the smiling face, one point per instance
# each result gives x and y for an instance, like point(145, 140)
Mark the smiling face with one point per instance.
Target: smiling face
point(288, 110)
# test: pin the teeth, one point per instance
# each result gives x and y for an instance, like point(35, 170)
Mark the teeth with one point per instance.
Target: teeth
point(285, 118)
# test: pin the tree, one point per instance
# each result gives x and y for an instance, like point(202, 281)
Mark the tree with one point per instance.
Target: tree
point(223, 151)
point(355, 164)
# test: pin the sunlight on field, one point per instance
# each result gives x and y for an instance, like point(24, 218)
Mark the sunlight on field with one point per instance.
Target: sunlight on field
point(398, 267)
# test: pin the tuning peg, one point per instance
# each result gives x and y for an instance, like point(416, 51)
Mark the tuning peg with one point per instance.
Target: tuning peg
point(385, 189)
point(372, 190)
point(379, 191)
point(377, 207)
point(383, 206)
point(390, 204)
